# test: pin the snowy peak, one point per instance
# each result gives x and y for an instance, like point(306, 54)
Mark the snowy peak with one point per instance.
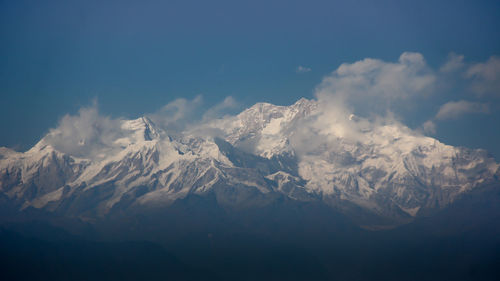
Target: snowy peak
point(264, 128)
point(138, 130)
point(261, 115)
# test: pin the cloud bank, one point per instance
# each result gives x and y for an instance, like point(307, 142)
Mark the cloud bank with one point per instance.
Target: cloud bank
point(352, 99)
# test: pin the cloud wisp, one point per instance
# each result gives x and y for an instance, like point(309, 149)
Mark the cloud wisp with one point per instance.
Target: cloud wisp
point(480, 81)
point(178, 114)
point(302, 69)
point(456, 109)
point(485, 77)
point(454, 63)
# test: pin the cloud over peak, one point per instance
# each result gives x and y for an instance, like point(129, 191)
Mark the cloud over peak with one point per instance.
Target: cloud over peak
point(378, 93)
point(85, 133)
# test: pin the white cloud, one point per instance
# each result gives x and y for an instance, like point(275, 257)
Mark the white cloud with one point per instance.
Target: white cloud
point(485, 77)
point(429, 127)
point(455, 109)
point(454, 63)
point(376, 86)
point(302, 69)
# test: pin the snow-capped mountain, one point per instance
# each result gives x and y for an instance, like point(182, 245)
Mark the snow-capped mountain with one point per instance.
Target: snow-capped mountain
point(299, 152)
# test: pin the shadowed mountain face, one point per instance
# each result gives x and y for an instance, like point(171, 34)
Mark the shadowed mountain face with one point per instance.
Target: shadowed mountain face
point(196, 239)
point(65, 257)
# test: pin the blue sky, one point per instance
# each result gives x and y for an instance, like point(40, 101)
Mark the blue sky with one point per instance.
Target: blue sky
point(135, 56)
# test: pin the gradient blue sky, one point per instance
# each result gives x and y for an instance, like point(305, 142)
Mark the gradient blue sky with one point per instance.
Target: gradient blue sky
point(135, 56)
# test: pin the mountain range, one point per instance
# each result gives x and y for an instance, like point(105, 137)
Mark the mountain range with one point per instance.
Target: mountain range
point(301, 153)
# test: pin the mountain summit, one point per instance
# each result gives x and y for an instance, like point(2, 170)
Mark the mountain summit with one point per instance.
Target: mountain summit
point(301, 152)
